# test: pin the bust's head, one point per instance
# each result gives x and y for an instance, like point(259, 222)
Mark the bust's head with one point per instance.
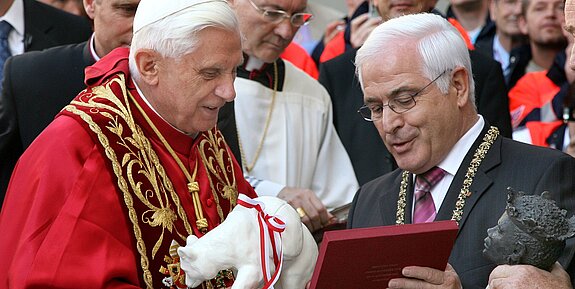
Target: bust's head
point(532, 231)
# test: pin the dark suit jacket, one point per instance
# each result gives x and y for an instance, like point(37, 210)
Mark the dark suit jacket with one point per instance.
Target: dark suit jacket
point(366, 150)
point(485, 45)
point(37, 85)
point(46, 26)
point(519, 58)
point(487, 31)
point(508, 163)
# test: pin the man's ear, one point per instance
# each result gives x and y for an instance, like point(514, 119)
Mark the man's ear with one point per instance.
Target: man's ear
point(518, 251)
point(522, 23)
point(493, 10)
point(460, 82)
point(89, 6)
point(147, 63)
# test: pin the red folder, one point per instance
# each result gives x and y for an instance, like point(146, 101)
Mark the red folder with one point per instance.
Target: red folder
point(370, 257)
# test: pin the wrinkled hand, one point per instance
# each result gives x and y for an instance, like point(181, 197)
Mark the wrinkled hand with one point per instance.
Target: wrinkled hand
point(332, 30)
point(316, 215)
point(361, 27)
point(526, 277)
point(424, 277)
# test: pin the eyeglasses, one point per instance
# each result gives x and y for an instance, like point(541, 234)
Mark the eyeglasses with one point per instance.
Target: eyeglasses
point(277, 16)
point(399, 104)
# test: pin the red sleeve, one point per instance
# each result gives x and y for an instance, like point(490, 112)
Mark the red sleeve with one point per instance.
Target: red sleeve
point(62, 222)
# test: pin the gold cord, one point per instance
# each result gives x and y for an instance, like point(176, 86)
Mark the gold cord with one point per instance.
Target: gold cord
point(478, 156)
point(250, 167)
point(193, 186)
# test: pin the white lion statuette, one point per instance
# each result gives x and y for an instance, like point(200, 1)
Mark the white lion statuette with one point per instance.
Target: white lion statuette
point(235, 244)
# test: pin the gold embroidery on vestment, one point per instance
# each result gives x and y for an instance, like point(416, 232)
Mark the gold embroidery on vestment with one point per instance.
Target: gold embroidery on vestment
point(147, 162)
point(214, 164)
point(143, 160)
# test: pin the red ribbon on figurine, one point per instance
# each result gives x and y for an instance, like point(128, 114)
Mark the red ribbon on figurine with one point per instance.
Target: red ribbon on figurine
point(271, 228)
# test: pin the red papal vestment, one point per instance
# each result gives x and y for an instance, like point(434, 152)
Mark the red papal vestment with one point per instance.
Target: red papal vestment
point(97, 201)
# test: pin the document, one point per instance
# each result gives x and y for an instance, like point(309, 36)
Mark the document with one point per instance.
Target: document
point(370, 257)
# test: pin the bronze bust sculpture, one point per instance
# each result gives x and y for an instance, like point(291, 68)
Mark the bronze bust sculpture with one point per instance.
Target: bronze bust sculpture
point(532, 231)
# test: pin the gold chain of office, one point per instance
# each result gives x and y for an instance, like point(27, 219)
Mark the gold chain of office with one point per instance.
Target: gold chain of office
point(478, 156)
point(250, 167)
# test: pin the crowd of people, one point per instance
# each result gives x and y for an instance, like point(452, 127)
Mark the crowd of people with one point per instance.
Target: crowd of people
point(135, 123)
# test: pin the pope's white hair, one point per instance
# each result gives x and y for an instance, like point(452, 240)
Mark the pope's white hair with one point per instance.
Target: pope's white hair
point(176, 35)
point(439, 44)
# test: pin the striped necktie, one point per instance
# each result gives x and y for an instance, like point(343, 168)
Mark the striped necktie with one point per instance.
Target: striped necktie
point(424, 210)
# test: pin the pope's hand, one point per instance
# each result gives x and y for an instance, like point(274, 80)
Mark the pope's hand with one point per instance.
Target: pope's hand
point(312, 211)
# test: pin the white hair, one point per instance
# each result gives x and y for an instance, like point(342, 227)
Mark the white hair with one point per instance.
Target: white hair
point(439, 44)
point(176, 35)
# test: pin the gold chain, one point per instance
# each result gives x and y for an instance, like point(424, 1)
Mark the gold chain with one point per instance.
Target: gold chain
point(193, 186)
point(250, 167)
point(478, 156)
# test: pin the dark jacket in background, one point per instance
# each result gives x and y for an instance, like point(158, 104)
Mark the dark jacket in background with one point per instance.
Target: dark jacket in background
point(36, 81)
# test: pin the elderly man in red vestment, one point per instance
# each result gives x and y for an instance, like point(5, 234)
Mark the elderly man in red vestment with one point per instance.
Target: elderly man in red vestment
point(134, 164)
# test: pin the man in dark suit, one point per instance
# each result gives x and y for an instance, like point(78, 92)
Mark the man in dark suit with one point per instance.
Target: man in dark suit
point(38, 84)
point(368, 155)
point(417, 80)
point(42, 26)
point(35, 26)
point(505, 37)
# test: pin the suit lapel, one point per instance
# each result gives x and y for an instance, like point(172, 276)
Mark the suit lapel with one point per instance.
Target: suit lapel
point(409, 200)
point(87, 54)
point(36, 26)
point(481, 181)
point(388, 201)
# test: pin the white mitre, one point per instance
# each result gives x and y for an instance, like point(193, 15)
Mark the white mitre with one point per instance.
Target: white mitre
point(150, 11)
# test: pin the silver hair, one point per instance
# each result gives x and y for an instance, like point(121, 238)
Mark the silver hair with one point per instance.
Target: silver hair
point(176, 35)
point(439, 44)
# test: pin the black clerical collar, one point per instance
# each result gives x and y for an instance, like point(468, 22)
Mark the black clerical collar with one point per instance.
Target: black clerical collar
point(264, 75)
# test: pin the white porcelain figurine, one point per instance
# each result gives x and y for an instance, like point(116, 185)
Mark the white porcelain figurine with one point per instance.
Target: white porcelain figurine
point(235, 244)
